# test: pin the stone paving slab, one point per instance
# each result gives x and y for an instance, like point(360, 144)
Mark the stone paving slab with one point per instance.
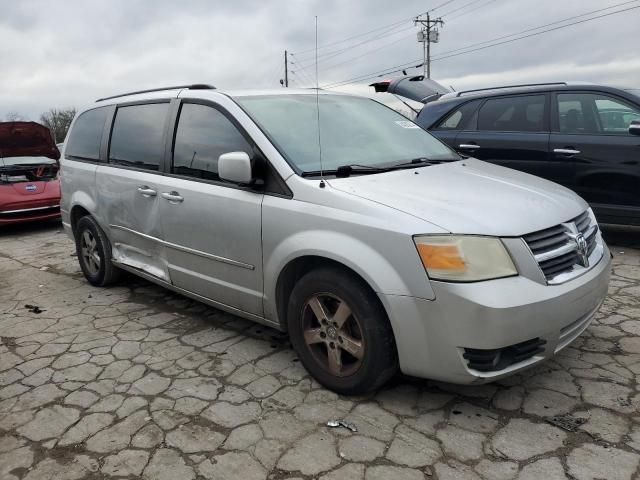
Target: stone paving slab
point(136, 382)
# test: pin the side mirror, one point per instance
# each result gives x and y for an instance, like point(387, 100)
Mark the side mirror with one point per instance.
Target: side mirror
point(634, 128)
point(235, 167)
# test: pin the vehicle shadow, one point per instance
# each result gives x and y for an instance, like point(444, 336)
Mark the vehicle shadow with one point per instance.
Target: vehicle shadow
point(621, 236)
point(30, 228)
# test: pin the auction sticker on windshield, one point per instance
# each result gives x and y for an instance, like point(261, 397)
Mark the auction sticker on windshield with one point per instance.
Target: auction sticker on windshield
point(406, 124)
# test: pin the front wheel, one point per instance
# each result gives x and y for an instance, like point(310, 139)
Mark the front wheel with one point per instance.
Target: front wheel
point(94, 253)
point(340, 331)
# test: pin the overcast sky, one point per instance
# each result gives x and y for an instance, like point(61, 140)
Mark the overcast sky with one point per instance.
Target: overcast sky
point(68, 53)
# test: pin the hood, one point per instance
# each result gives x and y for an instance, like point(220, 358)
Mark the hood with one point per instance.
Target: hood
point(27, 139)
point(416, 88)
point(470, 197)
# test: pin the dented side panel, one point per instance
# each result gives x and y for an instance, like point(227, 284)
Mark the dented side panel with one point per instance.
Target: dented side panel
point(132, 219)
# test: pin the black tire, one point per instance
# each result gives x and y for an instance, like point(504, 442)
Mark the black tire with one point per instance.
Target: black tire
point(367, 324)
point(102, 274)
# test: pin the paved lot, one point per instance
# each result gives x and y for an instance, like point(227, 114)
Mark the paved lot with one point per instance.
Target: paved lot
point(134, 381)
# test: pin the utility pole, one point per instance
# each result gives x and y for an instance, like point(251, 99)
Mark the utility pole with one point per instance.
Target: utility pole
point(427, 35)
point(286, 71)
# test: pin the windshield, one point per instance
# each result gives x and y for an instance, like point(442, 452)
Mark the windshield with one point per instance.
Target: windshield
point(353, 131)
point(6, 161)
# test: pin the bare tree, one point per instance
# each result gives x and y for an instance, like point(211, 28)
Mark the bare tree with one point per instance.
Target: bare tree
point(14, 117)
point(58, 121)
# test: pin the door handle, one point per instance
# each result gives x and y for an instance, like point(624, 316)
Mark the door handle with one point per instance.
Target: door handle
point(172, 196)
point(566, 151)
point(469, 146)
point(146, 191)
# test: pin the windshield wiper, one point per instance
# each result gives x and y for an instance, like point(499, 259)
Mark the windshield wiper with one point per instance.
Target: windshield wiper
point(414, 162)
point(346, 170)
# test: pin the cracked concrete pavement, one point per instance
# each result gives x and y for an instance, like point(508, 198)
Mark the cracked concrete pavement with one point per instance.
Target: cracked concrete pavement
point(137, 382)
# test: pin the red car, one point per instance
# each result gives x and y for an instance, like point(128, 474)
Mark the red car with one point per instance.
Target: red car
point(29, 184)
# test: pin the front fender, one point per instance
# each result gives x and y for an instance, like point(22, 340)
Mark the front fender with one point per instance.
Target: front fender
point(384, 276)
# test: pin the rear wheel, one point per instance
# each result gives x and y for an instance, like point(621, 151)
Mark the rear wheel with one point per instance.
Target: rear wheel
point(94, 253)
point(341, 332)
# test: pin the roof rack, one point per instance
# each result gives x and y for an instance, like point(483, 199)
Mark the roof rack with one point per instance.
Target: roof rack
point(195, 86)
point(511, 86)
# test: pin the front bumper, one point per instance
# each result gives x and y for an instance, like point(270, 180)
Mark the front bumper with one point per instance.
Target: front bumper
point(431, 335)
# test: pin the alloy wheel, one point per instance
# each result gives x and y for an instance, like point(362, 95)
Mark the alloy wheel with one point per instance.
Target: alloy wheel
point(90, 254)
point(333, 334)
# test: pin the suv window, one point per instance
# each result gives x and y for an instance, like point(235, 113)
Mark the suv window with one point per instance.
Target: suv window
point(204, 134)
point(593, 113)
point(84, 139)
point(513, 114)
point(459, 118)
point(136, 139)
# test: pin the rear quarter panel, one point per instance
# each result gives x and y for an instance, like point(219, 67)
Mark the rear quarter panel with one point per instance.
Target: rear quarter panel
point(77, 188)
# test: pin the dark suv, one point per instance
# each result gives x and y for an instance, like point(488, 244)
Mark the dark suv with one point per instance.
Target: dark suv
point(585, 137)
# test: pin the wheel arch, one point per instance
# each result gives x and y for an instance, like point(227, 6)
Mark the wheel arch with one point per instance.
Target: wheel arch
point(77, 212)
point(296, 269)
point(81, 205)
point(392, 273)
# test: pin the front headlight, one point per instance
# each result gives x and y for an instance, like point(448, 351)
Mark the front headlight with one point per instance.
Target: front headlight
point(463, 258)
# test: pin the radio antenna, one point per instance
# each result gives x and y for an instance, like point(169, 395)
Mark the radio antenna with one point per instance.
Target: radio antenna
point(322, 184)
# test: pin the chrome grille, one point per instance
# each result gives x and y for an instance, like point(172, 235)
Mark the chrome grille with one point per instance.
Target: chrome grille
point(564, 248)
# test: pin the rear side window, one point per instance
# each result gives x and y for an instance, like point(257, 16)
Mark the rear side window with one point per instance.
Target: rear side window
point(137, 136)
point(592, 113)
point(513, 114)
point(84, 139)
point(204, 134)
point(460, 118)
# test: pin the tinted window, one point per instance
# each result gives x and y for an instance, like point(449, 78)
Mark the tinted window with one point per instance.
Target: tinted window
point(513, 114)
point(136, 140)
point(84, 139)
point(204, 134)
point(571, 113)
point(459, 118)
point(452, 122)
point(592, 113)
point(615, 117)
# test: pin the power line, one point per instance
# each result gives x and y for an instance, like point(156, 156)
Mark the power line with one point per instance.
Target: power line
point(302, 76)
point(303, 65)
point(383, 27)
point(439, 6)
point(543, 31)
point(386, 71)
point(310, 56)
point(306, 63)
point(539, 27)
point(470, 11)
point(460, 8)
point(398, 68)
point(369, 52)
point(337, 42)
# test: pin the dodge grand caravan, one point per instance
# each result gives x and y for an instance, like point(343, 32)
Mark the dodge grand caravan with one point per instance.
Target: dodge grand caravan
point(336, 219)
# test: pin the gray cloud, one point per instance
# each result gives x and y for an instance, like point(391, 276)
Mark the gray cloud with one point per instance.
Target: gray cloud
point(58, 54)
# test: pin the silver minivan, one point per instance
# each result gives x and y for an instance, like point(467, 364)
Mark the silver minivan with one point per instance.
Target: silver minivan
point(337, 220)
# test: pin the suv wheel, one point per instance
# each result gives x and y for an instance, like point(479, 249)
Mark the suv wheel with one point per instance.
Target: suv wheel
point(340, 331)
point(94, 253)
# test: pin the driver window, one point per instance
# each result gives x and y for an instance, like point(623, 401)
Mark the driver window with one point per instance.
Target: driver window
point(204, 134)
